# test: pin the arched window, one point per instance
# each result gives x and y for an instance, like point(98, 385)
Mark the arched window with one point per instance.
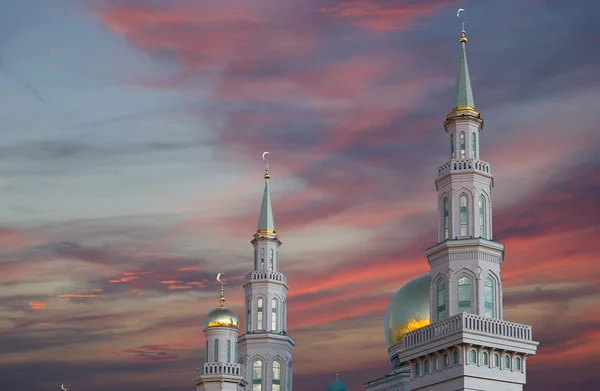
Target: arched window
point(228, 350)
point(289, 376)
point(462, 145)
point(485, 358)
point(474, 145)
point(274, 314)
point(262, 259)
point(455, 358)
point(216, 350)
point(259, 322)
point(271, 260)
point(417, 369)
point(446, 361)
point(425, 367)
point(517, 364)
point(248, 316)
point(452, 146)
point(506, 362)
point(489, 297)
point(446, 217)
point(496, 360)
point(473, 356)
point(276, 376)
point(482, 227)
point(436, 364)
point(257, 376)
point(206, 358)
point(465, 293)
point(441, 300)
point(464, 216)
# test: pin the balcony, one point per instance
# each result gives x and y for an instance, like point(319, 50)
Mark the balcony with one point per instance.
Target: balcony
point(265, 277)
point(219, 368)
point(464, 165)
point(467, 322)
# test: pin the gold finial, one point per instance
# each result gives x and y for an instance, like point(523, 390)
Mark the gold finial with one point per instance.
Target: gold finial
point(337, 377)
point(222, 298)
point(463, 38)
point(264, 157)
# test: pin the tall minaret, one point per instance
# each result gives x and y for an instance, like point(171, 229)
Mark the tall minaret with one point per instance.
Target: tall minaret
point(265, 347)
point(221, 370)
point(465, 266)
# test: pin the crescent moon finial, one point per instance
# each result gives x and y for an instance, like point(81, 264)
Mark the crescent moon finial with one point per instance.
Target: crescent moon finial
point(222, 298)
point(463, 38)
point(62, 387)
point(264, 157)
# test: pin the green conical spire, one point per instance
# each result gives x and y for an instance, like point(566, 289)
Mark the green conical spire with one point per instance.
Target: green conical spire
point(463, 96)
point(265, 220)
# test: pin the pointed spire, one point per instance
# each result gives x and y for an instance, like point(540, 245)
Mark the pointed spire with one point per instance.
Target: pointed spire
point(463, 96)
point(222, 298)
point(266, 223)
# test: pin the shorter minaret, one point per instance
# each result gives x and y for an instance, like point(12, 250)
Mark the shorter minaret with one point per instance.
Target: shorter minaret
point(221, 371)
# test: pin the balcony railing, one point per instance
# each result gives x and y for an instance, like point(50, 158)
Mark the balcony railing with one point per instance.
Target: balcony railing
point(467, 322)
point(219, 368)
point(464, 165)
point(265, 276)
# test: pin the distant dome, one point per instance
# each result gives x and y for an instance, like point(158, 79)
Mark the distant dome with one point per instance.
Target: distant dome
point(221, 317)
point(408, 310)
point(337, 385)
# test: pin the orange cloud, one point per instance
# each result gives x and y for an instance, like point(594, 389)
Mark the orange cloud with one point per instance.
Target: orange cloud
point(37, 305)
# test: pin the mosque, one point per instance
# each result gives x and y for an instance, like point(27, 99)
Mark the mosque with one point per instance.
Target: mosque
point(445, 329)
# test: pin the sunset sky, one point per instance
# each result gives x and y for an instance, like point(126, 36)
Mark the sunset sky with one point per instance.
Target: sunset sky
point(130, 175)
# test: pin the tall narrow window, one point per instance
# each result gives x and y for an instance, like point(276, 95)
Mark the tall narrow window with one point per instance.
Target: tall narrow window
point(271, 260)
point(488, 296)
point(441, 300)
point(455, 358)
point(436, 363)
point(228, 350)
point(485, 358)
point(465, 294)
point(425, 367)
point(216, 350)
point(274, 314)
point(517, 364)
point(446, 217)
point(464, 216)
point(257, 376)
point(417, 369)
point(276, 376)
point(248, 316)
point(206, 358)
point(452, 146)
point(474, 145)
point(283, 315)
point(262, 259)
point(482, 228)
point(506, 362)
point(462, 145)
point(473, 356)
point(446, 361)
point(259, 322)
point(496, 360)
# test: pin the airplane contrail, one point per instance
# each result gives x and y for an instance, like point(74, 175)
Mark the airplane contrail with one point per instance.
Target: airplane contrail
point(31, 89)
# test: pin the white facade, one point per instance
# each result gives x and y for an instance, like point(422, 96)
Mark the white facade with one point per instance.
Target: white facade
point(221, 370)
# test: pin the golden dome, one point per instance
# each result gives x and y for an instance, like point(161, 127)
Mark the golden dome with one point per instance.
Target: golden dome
point(408, 310)
point(221, 317)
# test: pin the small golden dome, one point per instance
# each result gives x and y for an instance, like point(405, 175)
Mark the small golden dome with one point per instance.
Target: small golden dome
point(408, 310)
point(221, 317)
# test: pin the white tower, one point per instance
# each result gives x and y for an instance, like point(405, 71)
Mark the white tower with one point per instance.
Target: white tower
point(468, 345)
point(221, 370)
point(265, 347)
